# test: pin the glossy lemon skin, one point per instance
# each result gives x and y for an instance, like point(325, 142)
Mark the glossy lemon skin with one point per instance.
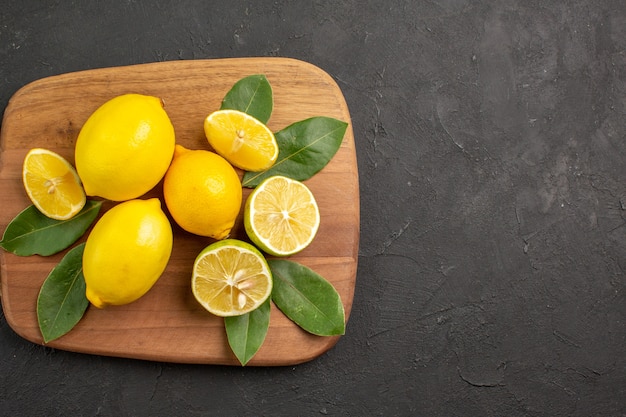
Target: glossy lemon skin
point(125, 147)
point(126, 252)
point(202, 192)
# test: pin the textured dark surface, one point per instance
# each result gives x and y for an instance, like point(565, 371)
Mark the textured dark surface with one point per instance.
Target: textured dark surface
point(492, 160)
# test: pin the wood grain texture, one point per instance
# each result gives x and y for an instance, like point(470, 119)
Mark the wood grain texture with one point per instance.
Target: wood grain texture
point(167, 324)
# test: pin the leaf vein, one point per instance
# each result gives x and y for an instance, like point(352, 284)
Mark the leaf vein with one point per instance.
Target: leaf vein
point(303, 296)
point(289, 157)
point(254, 93)
point(65, 297)
point(51, 226)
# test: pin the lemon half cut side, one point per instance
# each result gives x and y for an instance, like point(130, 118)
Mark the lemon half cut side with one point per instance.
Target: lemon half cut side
point(241, 139)
point(281, 216)
point(52, 184)
point(231, 278)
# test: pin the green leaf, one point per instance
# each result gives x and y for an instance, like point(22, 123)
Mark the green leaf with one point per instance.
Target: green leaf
point(62, 300)
point(247, 332)
point(32, 233)
point(305, 148)
point(252, 95)
point(307, 298)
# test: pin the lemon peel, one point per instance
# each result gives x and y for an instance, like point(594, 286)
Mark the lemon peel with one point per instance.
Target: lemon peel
point(125, 147)
point(126, 252)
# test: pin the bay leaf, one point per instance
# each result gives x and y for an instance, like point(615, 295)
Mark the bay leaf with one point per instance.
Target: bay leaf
point(305, 147)
point(251, 95)
point(32, 233)
point(247, 332)
point(62, 301)
point(307, 298)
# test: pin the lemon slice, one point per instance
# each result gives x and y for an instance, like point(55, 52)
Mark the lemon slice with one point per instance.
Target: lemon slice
point(52, 184)
point(241, 139)
point(230, 278)
point(281, 216)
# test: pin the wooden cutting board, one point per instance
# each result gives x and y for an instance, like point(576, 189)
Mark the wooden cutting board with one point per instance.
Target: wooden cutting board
point(167, 324)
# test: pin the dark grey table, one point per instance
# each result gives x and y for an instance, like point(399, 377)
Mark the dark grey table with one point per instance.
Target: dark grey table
point(491, 149)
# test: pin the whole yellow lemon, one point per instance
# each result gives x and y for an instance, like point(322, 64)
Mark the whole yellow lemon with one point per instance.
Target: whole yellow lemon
point(126, 252)
point(125, 147)
point(202, 192)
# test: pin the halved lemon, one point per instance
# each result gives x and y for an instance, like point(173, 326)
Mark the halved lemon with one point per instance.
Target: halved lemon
point(241, 139)
point(231, 278)
point(281, 216)
point(52, 184)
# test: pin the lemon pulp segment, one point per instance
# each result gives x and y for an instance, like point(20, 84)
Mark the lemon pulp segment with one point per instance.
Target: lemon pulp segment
point(281, 216)
point(243, 140)
point(231, 277)
point(52, 184)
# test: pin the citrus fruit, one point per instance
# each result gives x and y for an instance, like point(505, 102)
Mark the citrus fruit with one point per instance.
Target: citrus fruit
point(125, 147)
point(281, 216)
point(52, 184)
point(202, 192)
point(243, 140)
point(230, 278)
point(126, 252)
